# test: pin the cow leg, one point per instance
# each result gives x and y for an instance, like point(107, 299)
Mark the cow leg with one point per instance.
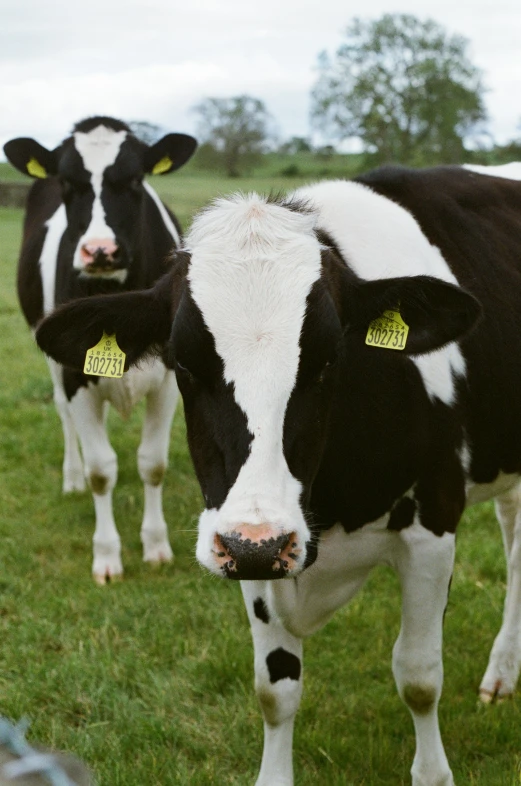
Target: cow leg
point(281, 614)
point(152, 463)
point(101, 469)
point(502, 671)
point(278, 683)
point(424, 563)
point(73, 477)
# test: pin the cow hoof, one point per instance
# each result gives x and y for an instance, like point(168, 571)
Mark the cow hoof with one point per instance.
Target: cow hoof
point(493, 697)
point(102, 579)
point(74, 482)
point(429, 780)
point(107, 566)
point(158, 554)
point(156, 547)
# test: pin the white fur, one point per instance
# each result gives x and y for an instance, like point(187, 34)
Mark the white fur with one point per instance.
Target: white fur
point(55, 227)
point(379, 239)
point(88, 410)
point(99, 149)
point(167, 221)
point(502, 671)
point(512, 171)
point(252, 267)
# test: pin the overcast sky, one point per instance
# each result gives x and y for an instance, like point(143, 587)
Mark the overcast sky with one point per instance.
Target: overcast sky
point(152, 60)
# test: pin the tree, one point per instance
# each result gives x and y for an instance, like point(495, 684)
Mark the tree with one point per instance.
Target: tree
point(295, 145)
point(404, 87)
point(238, 128)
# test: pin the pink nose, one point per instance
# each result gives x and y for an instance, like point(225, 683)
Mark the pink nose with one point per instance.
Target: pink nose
point(98, 248)
point(256, 551)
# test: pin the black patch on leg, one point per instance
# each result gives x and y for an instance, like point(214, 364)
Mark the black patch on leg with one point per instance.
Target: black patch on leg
point(402, 514)
point(283, 664)
point(74, 380)
point(261, 610)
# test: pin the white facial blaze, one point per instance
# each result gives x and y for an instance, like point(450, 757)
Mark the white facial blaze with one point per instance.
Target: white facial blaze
point(99, 149)
point(253, 265)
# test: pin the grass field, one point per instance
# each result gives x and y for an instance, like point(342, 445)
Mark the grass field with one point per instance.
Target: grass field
point(150, 680)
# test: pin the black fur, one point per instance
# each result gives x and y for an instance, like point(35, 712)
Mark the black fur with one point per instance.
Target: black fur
point(261, 610)
point(283, 665)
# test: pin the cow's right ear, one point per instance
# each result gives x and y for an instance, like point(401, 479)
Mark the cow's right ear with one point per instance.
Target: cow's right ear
point(170, 153)
point(31, 158)
point(141, 322)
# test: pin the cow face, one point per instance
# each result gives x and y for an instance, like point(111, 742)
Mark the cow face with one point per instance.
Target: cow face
point(253, 320)
point(101, 169)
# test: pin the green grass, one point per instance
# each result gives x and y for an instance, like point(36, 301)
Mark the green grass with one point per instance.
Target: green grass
point(150, 680)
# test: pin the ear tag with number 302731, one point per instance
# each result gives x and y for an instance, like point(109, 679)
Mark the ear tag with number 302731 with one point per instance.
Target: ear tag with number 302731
point(106, 359)
point(388, 331)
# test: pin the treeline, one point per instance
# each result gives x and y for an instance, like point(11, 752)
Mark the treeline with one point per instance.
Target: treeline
point(403, 88)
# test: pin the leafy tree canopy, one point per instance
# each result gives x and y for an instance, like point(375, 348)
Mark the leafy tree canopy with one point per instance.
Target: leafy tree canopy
point(404, 87)
point(238, 128)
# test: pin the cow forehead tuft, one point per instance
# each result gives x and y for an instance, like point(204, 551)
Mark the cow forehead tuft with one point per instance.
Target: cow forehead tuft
point(99, 147)
point(249, 225)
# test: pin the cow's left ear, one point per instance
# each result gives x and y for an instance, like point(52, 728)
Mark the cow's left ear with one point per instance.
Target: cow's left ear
point(141, 322)
point(30, 157)
point(171, 152)
point(434, 311)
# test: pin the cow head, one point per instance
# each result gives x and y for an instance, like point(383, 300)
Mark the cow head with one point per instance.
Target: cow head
point(101, 167)
point(256, 319)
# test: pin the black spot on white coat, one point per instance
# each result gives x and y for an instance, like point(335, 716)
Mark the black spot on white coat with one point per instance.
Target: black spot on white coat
point(283, 665)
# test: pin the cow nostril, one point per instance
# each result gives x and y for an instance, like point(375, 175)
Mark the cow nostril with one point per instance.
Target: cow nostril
point(256, 551)
point(99, 252)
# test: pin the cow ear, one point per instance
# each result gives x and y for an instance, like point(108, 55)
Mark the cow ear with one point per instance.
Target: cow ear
point(171, 152)
point(434, 311)
point(141, 322)
point(31, 158)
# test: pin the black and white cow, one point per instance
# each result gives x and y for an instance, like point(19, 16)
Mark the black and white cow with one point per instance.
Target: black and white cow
point(320, 456)
point(93, 225)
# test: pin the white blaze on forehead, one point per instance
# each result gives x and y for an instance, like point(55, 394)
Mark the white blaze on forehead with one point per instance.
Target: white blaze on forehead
point(99, 149)
point(253, 265)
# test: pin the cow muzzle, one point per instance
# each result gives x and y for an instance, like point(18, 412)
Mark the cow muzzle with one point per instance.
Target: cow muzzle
point(100, 255)
point(257, 551)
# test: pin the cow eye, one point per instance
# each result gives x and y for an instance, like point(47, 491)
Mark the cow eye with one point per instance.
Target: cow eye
point(323, 371)
point(183, 371)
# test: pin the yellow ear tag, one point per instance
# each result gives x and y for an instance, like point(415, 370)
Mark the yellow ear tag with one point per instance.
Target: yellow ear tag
point(106, 359)
point(35, 168)
point(388, 331)
point(162, 166)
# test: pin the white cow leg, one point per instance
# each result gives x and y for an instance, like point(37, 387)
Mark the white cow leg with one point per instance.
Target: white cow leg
point(278, 684)
point(503, 667)
point(101, 471)
point(152, 463)
point(424, 563)
point(73, 476)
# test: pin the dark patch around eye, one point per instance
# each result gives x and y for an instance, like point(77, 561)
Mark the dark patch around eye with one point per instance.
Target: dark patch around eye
point(283, 665)
point(320, 335)
point(261, 611)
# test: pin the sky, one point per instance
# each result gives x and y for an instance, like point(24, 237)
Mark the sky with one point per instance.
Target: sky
point(153, 60)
